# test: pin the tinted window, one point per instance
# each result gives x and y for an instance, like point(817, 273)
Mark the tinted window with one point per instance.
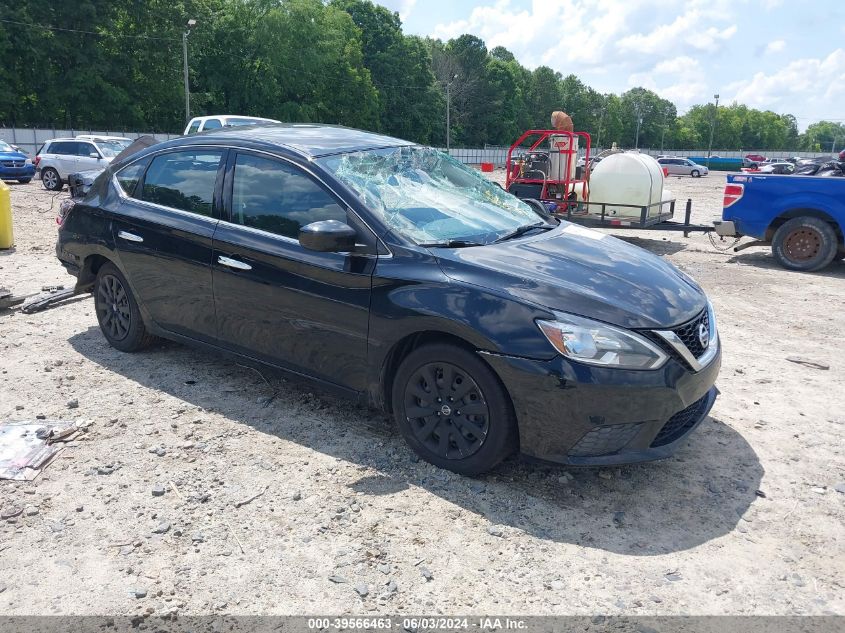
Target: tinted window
point(277, 197)
point(212, 123)
point(63, 147)
point(83, 149)
point(195, 125)
point(183, 180)
point(129, 176)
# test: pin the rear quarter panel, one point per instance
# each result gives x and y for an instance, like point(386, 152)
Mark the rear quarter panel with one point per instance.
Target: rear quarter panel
point(769, 196)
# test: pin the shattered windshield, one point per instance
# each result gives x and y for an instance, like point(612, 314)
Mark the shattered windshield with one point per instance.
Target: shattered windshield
point(430, 197)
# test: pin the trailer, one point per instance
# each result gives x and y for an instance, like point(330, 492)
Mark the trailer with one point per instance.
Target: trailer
point(554, 178)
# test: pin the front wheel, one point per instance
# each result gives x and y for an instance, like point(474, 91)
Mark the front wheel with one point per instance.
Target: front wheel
point(452, 410)
point(695, 173)
point(117, 311)
point(807, 244)
point(51, 180)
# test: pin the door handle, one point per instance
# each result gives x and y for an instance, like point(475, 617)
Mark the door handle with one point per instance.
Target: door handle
point(233, 263)
point(129, 237)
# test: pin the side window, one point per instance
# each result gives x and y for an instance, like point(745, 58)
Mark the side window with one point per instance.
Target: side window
point(183, 180)
point(83, 149)
point(277, 197)
point(212, 123)
point(63, 148)
point(129, 176)
point(195, 125)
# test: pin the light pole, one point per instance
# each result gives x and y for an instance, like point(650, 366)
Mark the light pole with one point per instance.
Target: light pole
point(639, 122)
point(712, 129)
point(191, 24)
point(448, 111)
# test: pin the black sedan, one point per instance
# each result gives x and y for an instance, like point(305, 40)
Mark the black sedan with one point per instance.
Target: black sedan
point(397, 275)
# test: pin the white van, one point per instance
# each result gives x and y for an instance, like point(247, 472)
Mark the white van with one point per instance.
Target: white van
point(203, 123)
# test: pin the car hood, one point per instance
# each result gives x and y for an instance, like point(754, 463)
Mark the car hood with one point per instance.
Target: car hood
point(584, 272)
point(13, 156)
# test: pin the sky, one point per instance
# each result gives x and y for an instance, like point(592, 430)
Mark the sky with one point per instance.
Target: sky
point(787, 56)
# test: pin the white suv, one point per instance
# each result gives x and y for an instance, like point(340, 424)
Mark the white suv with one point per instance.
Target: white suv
point(203, 123)
point(60, 157)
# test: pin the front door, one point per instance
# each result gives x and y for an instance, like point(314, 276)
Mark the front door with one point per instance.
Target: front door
point(275, 300)
point(163, 235)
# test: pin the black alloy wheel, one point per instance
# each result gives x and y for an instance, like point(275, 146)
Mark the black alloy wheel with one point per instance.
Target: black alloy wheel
point(117, 311)
point(113, 307)
point(452, 409)
point(447, 410)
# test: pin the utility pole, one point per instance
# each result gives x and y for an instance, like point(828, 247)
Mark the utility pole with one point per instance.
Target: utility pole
point(448, 111)
point(639, 122)
point(712, 129)
point(191, 24)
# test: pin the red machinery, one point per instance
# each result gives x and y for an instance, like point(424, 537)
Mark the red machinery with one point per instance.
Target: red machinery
point(528, 178)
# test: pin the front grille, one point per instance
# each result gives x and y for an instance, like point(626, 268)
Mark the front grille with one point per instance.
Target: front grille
point(688, 333)
point(12, 163)
point(679, 423)
point(604, 440)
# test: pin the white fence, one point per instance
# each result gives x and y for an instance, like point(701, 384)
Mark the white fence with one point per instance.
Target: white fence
point(30, 139)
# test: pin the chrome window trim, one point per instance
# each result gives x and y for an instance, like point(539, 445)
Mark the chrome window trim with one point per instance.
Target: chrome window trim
point(124, 196)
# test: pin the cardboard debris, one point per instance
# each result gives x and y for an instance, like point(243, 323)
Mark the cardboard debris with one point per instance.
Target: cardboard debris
point(26, 448)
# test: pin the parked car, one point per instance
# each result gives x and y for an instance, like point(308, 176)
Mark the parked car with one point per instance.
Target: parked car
point(683, 167)
point(123, 141)
point(755, 158)
point(60, 157)
point(801, 216)
point(398, 276)
point(776, 167)
point(14, 164)
point(842, 155)
point(204, 123)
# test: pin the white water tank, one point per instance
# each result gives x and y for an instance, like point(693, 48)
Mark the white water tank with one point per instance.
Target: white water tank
point(560, 145)
point(627, 178)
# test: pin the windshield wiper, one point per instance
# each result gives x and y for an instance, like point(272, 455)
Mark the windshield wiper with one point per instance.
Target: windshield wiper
point(452, 244)
point(522, 230)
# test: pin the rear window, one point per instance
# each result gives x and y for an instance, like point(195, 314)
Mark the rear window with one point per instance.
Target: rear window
point(129, 176)
point(212, 124)
point(183, 180)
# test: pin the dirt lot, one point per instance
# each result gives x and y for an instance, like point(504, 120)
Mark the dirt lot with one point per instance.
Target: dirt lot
point(746, 519)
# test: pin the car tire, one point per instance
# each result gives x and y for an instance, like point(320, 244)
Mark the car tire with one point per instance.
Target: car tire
point(431, 387)
point(50, 179)
point(117, 311)
point(805, 243)
point(695, 173)
point(24, 181)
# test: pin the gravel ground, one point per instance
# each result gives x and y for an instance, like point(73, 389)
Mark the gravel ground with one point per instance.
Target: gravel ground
point(140, 515)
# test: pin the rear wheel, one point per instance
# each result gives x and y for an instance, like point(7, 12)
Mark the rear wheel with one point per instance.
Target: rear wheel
point(50, 179)
point(117, 311)
point(452, 410)
point(806, 244)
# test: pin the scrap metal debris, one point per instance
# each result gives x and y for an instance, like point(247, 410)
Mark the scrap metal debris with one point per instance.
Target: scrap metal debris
point(26, 448)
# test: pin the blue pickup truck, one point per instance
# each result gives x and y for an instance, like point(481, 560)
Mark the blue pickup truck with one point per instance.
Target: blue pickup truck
point(801, 217)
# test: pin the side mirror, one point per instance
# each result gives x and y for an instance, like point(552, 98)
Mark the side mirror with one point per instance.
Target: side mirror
point(94, 155)
point(327, 236)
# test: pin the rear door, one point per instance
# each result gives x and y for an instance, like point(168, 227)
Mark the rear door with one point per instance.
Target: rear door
point(163, 236)
point(277, 301)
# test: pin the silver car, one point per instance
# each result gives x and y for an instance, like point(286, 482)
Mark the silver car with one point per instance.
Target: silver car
point(60, 157)
point(683, 167)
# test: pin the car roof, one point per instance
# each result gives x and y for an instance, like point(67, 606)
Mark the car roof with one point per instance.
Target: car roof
point(231, 116)
point(309, 139)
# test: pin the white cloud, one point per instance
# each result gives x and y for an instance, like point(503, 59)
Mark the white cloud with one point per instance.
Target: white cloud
point(403, 7)
point(775, 46)
point(810, 81)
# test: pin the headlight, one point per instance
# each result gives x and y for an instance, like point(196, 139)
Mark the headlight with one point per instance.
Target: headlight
point(28, 161)
point(596, 343)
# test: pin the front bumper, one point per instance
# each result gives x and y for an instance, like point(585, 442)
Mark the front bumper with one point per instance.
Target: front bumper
point(16, 173)
point(579, 415)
